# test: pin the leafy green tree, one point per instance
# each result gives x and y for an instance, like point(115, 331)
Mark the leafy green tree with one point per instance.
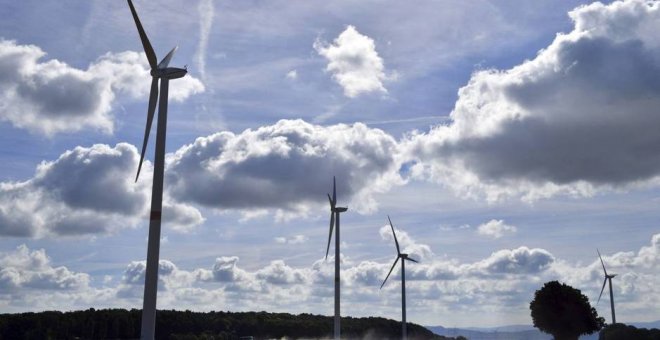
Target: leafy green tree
point(564, 312)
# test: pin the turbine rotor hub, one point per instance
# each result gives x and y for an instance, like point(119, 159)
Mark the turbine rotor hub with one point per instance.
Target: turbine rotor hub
point(168, 72)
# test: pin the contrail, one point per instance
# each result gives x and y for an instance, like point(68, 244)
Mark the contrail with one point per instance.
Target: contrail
point(206, 12)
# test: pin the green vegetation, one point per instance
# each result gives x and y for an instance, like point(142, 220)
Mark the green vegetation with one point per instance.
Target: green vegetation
point(125, 324)
point(564, 312)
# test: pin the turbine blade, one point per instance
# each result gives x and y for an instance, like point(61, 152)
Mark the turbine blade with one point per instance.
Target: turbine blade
point(601, 262)
point(334, 191)
point(332, 204)
point(398, 251)
point(153, 98)
point(388, 274)
point(166, 61)
point(332, 224)
point(601, 290)
point(151, 56)
point(411, 259)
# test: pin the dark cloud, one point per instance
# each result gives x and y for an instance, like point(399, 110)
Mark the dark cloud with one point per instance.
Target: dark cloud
point(582, 112)
point(95, 178)
point(85, 191)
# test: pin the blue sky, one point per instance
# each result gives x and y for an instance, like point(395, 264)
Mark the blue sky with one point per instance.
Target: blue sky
point(507, 141)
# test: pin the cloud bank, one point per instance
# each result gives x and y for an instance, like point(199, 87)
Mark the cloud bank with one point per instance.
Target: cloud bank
point(502, 283)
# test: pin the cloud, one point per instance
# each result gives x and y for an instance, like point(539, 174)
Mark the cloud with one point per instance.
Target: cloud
point(408, 245)
point(85, 191)
point(576, 118)
point(354, 63)
point(292, 75)
point(23, 269)
point(520, 261)
point(51, 97)
point(170, 277)
point(285, 166)
point(277, 272)
point(225, 270)
point(501, 283)
point(296, 239)
point(495, 229)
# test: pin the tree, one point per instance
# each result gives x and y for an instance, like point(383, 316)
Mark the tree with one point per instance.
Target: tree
point(564, 312)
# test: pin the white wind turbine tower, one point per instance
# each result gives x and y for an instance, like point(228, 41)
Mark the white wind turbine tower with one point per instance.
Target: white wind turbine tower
point(608, 277)
point(334, 218)
point(164, 73)
point(404, 258)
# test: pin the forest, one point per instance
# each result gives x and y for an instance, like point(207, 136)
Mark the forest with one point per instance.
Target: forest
point(188, 325)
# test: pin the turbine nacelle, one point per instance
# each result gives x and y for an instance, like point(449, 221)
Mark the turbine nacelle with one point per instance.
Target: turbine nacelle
point(169, 72)
point(334, 210)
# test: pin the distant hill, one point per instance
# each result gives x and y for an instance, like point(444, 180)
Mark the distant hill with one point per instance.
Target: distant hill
point(516, 332)
point(500, 333)
point(125, 324)
point(648, 325)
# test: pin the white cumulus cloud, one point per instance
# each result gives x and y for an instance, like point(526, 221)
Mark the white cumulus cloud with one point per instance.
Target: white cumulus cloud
point(495, 229)
point(354, 62)
point(50, 97)
point(285, 166)
point(24, 268)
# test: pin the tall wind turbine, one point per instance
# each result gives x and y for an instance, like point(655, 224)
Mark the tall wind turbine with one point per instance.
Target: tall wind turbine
point(334, 218)
point(608, 277)
point(164, 73)
point(404, 258)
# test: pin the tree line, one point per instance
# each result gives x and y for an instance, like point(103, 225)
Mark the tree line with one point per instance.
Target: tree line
point(188, 325)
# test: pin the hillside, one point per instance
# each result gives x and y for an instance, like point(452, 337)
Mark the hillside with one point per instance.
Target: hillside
point(125, 324)
point(523, 332)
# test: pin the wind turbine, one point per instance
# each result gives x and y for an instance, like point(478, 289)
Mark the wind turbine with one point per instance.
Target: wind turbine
point(404, 258)
point(334, 218)
point(164, 73)
point(608, 277)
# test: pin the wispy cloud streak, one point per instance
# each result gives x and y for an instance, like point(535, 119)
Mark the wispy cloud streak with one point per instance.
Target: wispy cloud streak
point(206, 11)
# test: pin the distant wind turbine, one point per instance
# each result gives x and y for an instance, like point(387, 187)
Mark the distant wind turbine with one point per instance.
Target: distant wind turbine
point(334, 218)
point(403, 258)
point(164, 73)
point(608, 277)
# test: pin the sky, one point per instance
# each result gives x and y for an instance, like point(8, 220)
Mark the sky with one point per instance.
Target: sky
point(507, 141)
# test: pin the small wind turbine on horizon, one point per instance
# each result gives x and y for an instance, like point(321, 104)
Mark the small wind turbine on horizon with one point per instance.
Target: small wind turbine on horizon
point(164, 73)
point(334, 219)
point(404, 257)
point(608, 277)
